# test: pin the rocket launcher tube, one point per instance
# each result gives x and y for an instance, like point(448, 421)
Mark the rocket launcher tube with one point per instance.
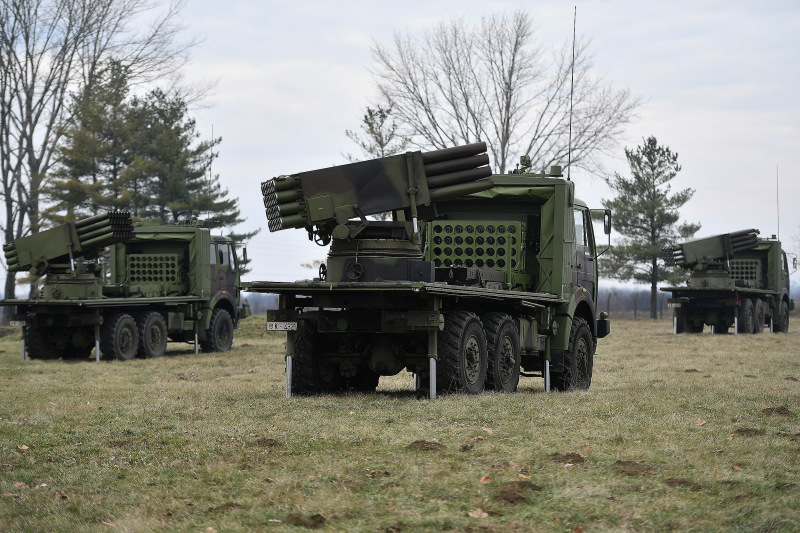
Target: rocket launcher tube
point(443, 180)
point(91, 220)
point(454, 165)
point(96, 233)
point(94, 227)
point(456, 152)
point(461, 189)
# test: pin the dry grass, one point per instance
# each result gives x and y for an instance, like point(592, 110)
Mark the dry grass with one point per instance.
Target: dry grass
point(694, 432)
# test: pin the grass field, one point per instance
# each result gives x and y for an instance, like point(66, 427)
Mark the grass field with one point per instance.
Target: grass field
point(677, 433)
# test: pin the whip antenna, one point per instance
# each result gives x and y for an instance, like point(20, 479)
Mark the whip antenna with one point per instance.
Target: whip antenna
point(778, 200)
point(571, 91)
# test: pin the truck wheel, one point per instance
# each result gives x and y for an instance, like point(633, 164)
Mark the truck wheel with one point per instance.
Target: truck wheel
point(462, 354)
point(783, 319)
point(680, 320)
point(219, 335)
point(578, 359)
point(119, 337)
point(502, 342)
point(152, 334)
point(78, 343)
point(311, 375)
point(758, 315)
point(720, 329)
point(746, 316)
point(39, 343)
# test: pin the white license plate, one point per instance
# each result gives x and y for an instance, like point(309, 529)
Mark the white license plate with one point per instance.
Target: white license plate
point(673, 304)
point(17, 322)
point(281, 326)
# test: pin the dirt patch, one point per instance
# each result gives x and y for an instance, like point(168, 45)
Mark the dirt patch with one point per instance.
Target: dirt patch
point(691, 370)
point(682, 482)
point(516, 492)
point(245, 467)
point(745, 496)
point(571, 458)
point(633, 468)
point(791, 378)
point(425, 445)
point(466, 447)
point(750, 432)
point(782, 411)
point(313, 521)
point(265, 442)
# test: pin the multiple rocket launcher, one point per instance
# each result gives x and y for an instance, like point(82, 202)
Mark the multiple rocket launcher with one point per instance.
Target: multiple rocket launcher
point(709, 249)
point(62, 243)
point(409, 180)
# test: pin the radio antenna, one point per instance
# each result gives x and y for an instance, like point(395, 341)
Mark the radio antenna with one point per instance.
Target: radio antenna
point(778, 200)
point(571, 91)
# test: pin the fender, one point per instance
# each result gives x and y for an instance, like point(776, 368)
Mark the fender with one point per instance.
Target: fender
point(581, 301)
point(221, 298)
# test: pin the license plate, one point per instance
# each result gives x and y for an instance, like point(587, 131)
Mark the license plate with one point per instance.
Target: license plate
point(17, 322)
point(281, 326)
point(673, 304)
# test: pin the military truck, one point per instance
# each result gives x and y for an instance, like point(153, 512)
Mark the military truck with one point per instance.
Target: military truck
point(125, 289)
point(735, 280)
point(476, 279)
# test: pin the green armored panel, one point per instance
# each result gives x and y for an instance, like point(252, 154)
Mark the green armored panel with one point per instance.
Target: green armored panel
point(154, 269)
point(747, 271)
point(476, 243)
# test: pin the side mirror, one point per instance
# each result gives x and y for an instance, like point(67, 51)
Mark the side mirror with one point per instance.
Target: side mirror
point(607, 222)
point(794, 263)
point(244, 258)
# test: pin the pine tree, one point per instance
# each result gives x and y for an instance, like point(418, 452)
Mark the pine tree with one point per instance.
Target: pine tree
point(646, 215)
point(94, 153)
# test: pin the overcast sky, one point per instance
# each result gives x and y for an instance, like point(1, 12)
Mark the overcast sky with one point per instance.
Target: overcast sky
point(718, 81)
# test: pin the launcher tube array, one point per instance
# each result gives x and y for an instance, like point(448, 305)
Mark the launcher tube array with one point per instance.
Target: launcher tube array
point(375, 186)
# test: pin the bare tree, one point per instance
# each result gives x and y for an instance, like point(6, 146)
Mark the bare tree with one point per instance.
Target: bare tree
point(493, 82)
point(47, 49)
point(379, 136)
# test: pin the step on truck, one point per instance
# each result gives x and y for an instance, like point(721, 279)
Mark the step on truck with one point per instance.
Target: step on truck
point(475, 280)
point(125, 289)
point(736, 280)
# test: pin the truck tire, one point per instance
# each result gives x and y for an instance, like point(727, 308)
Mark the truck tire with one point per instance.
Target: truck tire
point(746, 316)
point(578, 359)
point(782, 325)
point(721, 329)
point(759, 317)
point(502, 343)
point(119, 337)
point(311, 375)
point(152, 334)
point(39, 343)
point(463, 359)
point(680, 320)
point(219, 335)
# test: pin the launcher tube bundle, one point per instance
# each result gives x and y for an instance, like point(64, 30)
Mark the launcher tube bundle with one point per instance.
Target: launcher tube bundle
point(337, 194)
point(710, 249)
point(63, 243)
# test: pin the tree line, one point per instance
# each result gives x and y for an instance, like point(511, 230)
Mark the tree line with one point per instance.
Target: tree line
point(80, 134)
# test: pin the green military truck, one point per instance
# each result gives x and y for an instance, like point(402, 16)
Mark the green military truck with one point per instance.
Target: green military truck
point(475, 280)
point(125, 289)
point(735, 280)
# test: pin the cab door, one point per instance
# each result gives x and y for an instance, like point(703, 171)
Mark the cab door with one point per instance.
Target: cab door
point(584, 264)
